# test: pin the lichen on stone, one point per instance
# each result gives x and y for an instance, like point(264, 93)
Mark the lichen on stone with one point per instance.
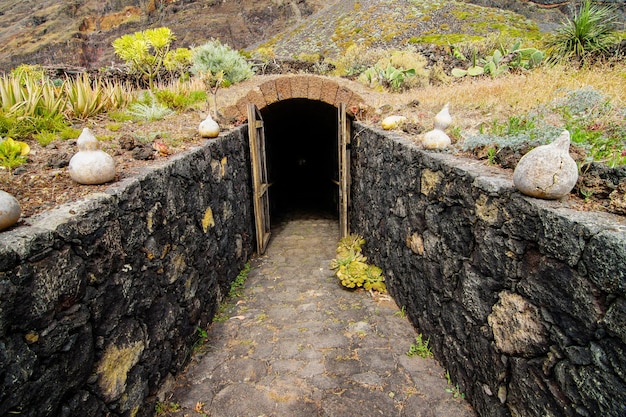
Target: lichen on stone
point(114, 366)
point(430, 180)
point(517, 327)
point(208, 220)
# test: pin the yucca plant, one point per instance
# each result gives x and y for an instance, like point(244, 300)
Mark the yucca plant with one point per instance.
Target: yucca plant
point(589, 32)
point(117, 96)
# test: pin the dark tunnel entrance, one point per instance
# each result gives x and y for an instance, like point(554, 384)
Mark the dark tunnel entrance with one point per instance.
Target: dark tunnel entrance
point(301, 145)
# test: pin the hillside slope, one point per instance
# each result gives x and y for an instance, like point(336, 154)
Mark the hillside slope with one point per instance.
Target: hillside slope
point(397, 23)
point(80, 32)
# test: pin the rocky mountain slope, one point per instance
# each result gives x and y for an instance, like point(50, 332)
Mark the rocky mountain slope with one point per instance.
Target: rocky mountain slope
point(80, 32)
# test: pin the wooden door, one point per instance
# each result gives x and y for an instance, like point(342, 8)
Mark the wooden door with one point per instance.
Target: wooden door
point(343, 140)
point(260, 183)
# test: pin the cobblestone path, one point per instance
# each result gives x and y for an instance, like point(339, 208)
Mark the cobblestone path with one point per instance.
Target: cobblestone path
point(297, 344)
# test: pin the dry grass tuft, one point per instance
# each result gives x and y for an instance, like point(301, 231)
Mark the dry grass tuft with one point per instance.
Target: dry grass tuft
point(474, 99)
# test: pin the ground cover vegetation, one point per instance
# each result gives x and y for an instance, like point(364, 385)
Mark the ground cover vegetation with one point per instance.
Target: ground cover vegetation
point(510, 90)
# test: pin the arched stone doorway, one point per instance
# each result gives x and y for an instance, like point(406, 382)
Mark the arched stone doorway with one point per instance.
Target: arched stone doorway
point(301, 144)
point(305, 129)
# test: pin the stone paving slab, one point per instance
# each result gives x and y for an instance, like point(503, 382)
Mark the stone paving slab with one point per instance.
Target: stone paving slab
point(297, 344)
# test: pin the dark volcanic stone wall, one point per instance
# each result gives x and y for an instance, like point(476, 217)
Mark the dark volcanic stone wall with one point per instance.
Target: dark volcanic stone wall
point(100, 300)
point(523, 301)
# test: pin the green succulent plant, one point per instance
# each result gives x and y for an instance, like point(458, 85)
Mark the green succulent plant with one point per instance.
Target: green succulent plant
point(13, 153)
point(146, 52)
point(501, 61)
point(352, 269)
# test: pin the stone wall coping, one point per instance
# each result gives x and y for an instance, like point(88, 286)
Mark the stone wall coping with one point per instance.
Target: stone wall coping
point(498, 181)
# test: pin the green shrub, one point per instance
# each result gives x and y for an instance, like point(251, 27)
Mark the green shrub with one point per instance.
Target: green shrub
point(179, 100)
point(219, 66)
point(69, 133)
point(178, 60)
point(25, 126)
point(594, 124)
point(589, 32)
point(213, 57)
point(356, 59)
point(418, 74)
point(28, 72)
point(45, 138)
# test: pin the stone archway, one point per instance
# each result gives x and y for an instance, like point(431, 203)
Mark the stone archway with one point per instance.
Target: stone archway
point(302, 131)
point(302, 86)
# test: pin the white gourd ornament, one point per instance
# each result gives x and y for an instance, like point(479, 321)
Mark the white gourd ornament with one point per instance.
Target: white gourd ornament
point(10, 210)
point(548, 171)
point(443, 119)
point(90, 165)
point(209, 128)
point(437, 138)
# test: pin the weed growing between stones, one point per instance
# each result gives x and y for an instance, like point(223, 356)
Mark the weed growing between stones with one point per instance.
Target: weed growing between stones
point(203, 335)
point(239, 282)
point(162, 408)
point(420, 348)
point(401, 313)
point(453, 389)
point(234, 292)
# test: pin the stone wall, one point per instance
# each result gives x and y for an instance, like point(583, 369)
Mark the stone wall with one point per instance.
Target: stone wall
point(524, 301)
point(100, 300)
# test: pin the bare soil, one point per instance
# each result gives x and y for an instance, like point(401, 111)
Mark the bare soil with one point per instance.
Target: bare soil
point(44, 182)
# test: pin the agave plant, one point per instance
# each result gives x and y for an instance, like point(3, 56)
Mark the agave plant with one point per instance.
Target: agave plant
point(117, 96)
point(11, 92)
point(590, 31)
point(84, 98)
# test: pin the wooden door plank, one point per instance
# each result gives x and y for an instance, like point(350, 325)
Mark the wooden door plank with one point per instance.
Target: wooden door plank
point(343, 134)
point(260, 197)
